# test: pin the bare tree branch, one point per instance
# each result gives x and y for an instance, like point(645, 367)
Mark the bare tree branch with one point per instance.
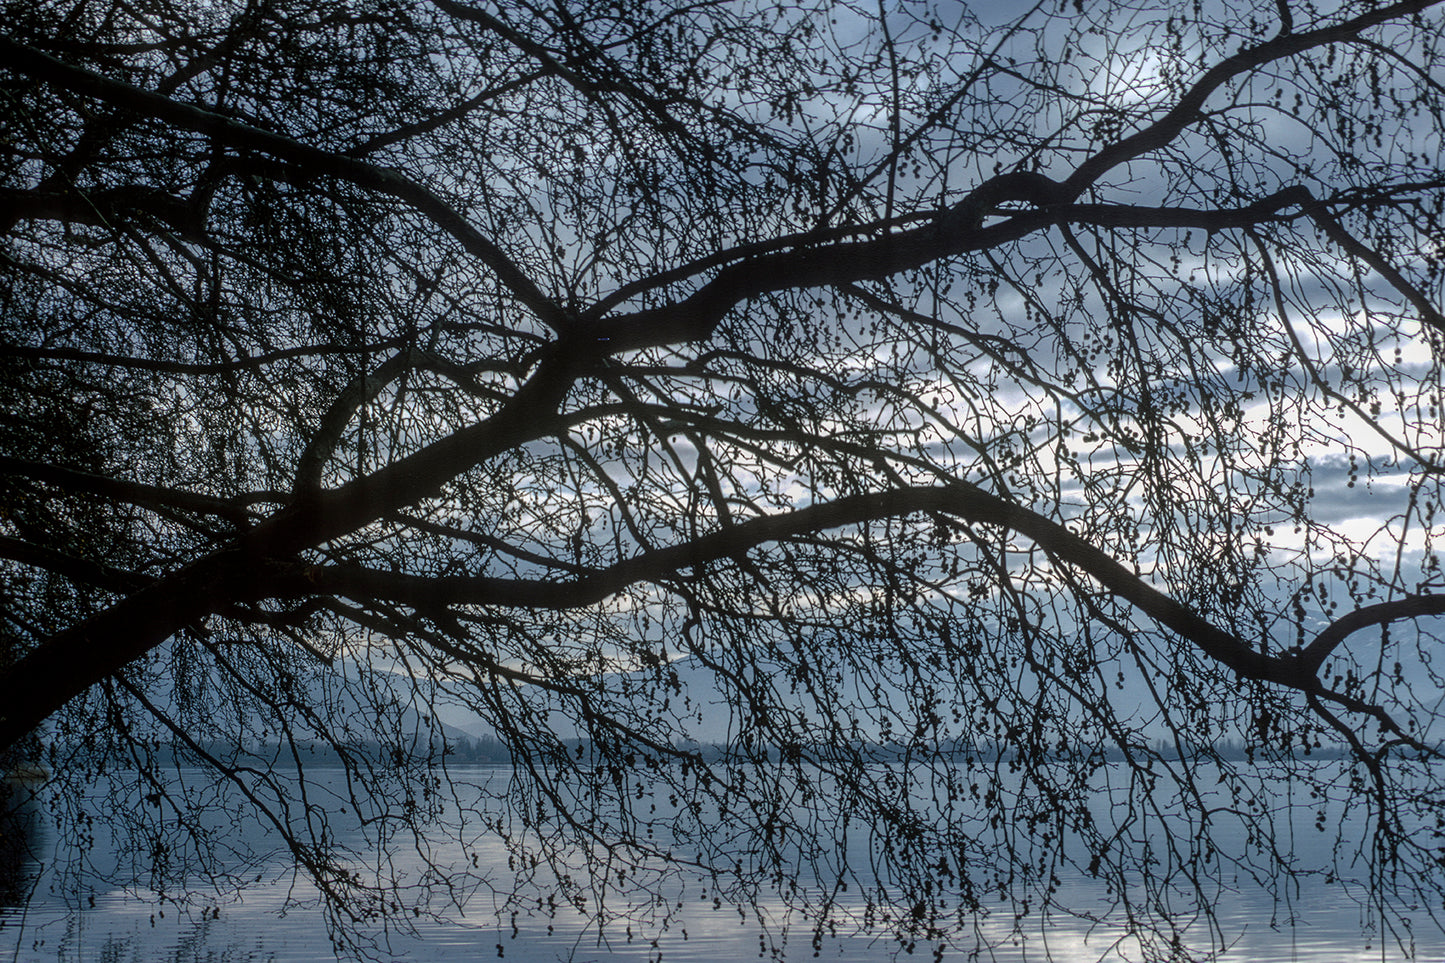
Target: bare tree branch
point(243, 137)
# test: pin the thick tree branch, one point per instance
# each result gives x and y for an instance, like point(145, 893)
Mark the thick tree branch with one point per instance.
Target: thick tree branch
point(959, 499)
point(69, 566)
point(958, 231)
point(76, 658)
point(135, 493)
point(1382, 613)
point(101, 208)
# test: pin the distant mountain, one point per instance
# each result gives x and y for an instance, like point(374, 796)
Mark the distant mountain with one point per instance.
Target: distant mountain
point(356, 695)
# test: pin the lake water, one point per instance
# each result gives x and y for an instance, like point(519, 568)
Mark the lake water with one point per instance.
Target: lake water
point(49, 915)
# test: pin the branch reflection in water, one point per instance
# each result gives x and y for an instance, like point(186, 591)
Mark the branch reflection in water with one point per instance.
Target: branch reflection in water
point(55, 906)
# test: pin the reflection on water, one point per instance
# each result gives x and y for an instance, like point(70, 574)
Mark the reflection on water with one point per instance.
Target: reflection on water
point(19, 831)
point(53, 912)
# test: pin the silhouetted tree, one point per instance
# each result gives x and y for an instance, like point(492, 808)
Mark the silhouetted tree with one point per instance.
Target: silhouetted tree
point(939, 411)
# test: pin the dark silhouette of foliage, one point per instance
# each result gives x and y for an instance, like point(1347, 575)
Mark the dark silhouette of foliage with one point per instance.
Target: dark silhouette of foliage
point(1010, 438)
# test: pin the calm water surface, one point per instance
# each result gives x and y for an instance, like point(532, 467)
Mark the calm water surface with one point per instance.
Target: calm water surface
point(43, 918)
